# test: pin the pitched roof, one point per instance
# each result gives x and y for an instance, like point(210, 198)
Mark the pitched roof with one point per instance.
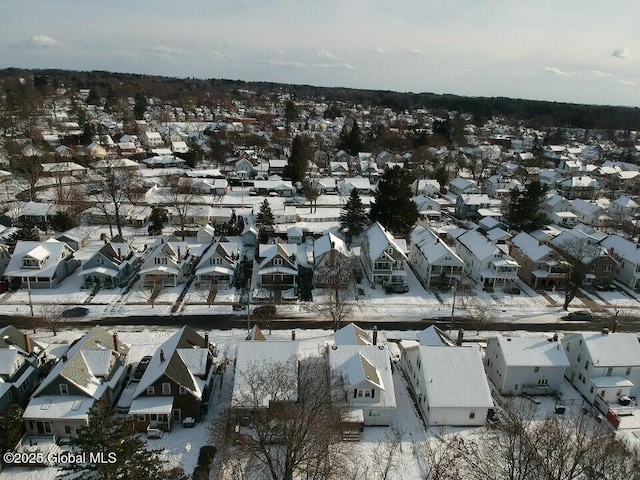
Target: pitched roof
point(625, 249)
point(530, 247)
point(352, 334)
point(532, 351)
point(379, 239)
point(613, 349)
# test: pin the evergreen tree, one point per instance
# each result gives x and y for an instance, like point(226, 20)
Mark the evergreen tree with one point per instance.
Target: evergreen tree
point(157, 219)
point(350, 139)
point(109, 434)
point(265, 215)
point(11, 428)
point(525, 209)
point(353, 217)
point(140, 106)
point(298, 163)
point(290, 113)
point(393, 207)
point(61, 222)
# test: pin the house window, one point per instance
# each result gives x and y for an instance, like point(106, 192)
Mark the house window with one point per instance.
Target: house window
point(606, 268)
point(536, 369)
point(516, 387)
point(151, 390)
point(472, 415)
point(568, 347)
point(360, 393)
point(182, 390)
point(579, 358)
point(628, 372)
point(586, 365)
point(153, 417)
point(609, 371)
point(141, 418)
point(374, 413)
point(160, 260)
point(277, 262)
point(367, 393)
point(64, 389)
point(591, 389)
point(166, 389)
point(47, 427)
point(543, 381)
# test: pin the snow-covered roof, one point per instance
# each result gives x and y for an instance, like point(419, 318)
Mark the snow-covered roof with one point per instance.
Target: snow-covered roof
point(432, 336)
point(623, 248)
point(365, 364)
point(352, 334)
point(454, 377)
point(531, 351)
point(379, 239)
point(432, 247)
point(50, 252)
point(612, 349)
point(326, 242)
point(478, 244)
point(262, 355)
point(151, 405)
point(67, 407)
point(530, 247)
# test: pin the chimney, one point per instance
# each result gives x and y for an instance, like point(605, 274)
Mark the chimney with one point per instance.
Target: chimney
point(119, 253)
point(555, 337)
point(179, 254)
point(375, 334)
point(206, 340)
point(605, 331)
point(27, 343)
point(116, 342)
point(293, 334)
point(161, 355)
point(64, 358)
point(460, 337)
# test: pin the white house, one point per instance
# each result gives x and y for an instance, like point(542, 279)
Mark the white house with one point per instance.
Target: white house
point(603, 366)
point(432, 260)
point(383, 256)
point(627, 254)
point(486, 263)
point(219, 263)
point(366, 372)
point(448, 382)
point(520, 365)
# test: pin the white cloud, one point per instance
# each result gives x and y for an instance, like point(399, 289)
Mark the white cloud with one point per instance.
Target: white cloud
point(627, 82)
point(556, 71)
point(621, 53)
point(344, 66)
point(221, 57)
point(598, 73)
point(322, 53)
point(283, 63)
point(415, 51)
point(40, 41)
point(163, 51)
point(289, 64)
point(379, 50)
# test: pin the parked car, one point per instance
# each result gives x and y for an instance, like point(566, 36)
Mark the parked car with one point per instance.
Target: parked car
point(142, 366)
point(512, 290)
point(265, 311)
point(396, 287)
point(579, 315)
point(75, 312)
point(4, 286)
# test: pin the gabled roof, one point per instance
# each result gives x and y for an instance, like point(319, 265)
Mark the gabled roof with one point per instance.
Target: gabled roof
point(51, 251)
point(612, 349)
point(184, 355)
point(431, 246)
point(326, 242)
point(530, 247)
point(432, 336)
point(352, 334)
point(379, 239)
point(625, 249)
point(478, 244)
point(88, 360)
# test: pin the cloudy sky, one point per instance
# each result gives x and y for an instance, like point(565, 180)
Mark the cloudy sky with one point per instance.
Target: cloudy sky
point(584, 51)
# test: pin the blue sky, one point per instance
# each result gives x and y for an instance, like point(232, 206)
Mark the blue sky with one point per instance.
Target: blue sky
point(576, 51)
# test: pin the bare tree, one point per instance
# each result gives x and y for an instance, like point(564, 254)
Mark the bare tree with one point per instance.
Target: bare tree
point(582, 254)
point(51, 317)
point(441, 457)
point(111, 190)
point(479, 313)
point(152, 291)
point(297, 435)
point(181, 196)
point(30, 168)
point(339, 296)
point(385, 458)
point(311, 191)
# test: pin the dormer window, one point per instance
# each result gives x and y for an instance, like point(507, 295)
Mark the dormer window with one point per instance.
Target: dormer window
point(277, 262)
point(160, 260)
point(64, 389)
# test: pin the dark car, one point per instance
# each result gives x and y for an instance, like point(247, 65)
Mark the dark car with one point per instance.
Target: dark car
point(580, 315)
point(141, 368)
point(265, 311)
point(512, 290)
point(75, 312)
point(4, 286)
point(396, 288)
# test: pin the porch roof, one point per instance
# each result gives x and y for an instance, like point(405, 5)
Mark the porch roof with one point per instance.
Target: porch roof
point(151, 405)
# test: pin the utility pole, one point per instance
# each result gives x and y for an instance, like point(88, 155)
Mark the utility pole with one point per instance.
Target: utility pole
point(249, 303)
point(29, 292)
point(453, 305)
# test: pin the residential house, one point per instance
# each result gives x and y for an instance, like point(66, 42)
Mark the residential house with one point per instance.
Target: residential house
point(277, 266)
point(498, 186)
point(168, 264)
point(627, 255)
point(112, 266)
point(277, 166)
point(363, 185)
point(540, 265)
point(367, 378)
point(486, 263)
point(219, 263)
point(467, 206)
point(463, 186)
point(351, 334)
point(624, 207)
point(76, 238)
point(331, 261)
point(339, 168)
point(41, 264)
point(253, 356)
point(449, 383)
point(283, 188)
point(603, 366)
point(206, 234)
point(579, 187)
point(151, 139)
point(383, 256)
point(93, 368)
point(63, 169)
point(583, 246)
point(116, 164)
point(525, 365)
point(5, 254)
point(176, 384)
point(426, 187)
point(433, 261)
point(20, 360)
point(588, 213)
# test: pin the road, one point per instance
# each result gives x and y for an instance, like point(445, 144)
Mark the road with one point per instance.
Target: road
point(230, 321)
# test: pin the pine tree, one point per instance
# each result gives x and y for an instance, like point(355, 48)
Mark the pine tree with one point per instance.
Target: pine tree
point(350, 139)
point(140, 106)
point(393, 207)
point(353, 217)
point(265, 215)
point(11, 428)
point(298, 163)
point(525, 209)
point(108, 434)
